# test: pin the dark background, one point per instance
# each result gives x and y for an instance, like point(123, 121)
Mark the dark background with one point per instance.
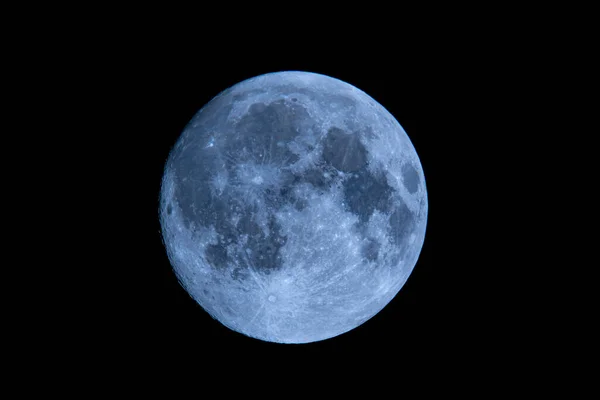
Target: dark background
point(146, 94)
point(107, 93)
point(104, 93)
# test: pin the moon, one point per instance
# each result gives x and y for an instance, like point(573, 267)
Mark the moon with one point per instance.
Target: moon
point(293, 207)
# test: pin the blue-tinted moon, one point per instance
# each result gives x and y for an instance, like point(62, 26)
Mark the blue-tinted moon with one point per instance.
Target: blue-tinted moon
point(293, 207)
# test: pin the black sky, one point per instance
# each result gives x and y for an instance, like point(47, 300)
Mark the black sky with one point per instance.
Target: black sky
point(147, 93)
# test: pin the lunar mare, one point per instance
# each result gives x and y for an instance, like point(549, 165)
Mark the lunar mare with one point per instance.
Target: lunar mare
point(293, 207)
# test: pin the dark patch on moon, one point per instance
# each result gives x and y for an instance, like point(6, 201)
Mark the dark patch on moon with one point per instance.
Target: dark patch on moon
point(262, 128)
point(216, 255)
point(239, 274)
point(208, 293)
point(344, 151)
point(277, 197)
point(169, 209)
point(322, 176)
point(286, 196)
point(300, 204)
point(402, 224)
point(257, 133)
point(261, 251)
point(370, 250)
point(365, 192)
point(410, 177)
point(192, 175)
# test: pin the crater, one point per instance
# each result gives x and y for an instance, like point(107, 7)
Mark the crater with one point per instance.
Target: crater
point(344, 151)
point(300, 204)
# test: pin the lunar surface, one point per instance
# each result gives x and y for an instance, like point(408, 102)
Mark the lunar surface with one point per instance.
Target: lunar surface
point(293, 207)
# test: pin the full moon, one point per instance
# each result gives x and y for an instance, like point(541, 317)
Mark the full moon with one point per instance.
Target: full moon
point(293, 207)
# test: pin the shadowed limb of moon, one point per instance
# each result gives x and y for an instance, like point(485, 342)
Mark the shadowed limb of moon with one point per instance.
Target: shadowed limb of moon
point(293, 207)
